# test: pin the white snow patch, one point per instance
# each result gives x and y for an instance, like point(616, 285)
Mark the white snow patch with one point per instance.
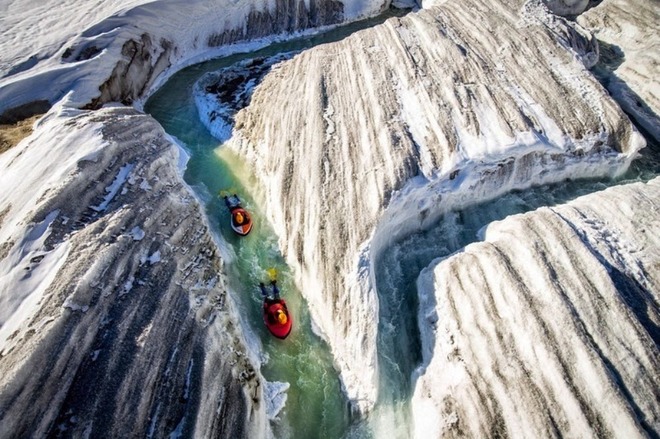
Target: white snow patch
point(25, 275)
point(275, 394)
point(137, 233)
point(154, 258)
point(69, 303)
point(141, 339)
point(113, 189)
point(40, 163)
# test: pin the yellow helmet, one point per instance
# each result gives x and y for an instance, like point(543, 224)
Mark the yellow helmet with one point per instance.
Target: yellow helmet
point(281, 317)
point(239, 218)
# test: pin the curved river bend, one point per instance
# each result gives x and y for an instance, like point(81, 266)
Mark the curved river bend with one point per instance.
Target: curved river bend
point(315, 405)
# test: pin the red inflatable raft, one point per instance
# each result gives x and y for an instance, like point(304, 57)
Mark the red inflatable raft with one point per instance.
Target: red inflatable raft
point(277, 318)
point(241, 222)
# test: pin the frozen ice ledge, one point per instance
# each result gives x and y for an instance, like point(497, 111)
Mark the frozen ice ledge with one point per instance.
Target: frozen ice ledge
point(122, 51)
point(116, 319)
point(361, 142)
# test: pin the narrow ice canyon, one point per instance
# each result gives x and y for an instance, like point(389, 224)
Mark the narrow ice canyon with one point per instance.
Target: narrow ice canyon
point(382, 158)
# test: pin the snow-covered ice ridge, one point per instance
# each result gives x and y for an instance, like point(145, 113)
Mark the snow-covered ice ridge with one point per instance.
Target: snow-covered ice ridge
point(360, 142)
point(634, 82)
point(119, 50)
point(549, 326)
point(115, 318)
point(109, 278)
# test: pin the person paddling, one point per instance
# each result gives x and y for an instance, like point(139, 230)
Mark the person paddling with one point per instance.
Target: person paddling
point(277, 318)
point(232, 201)
point(241, 223)
point(264, 293)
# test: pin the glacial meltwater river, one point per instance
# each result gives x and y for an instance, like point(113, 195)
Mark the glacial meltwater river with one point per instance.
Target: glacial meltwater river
point(316, 406)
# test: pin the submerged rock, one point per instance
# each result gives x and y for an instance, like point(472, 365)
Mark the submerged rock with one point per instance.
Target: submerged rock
point(362, 141)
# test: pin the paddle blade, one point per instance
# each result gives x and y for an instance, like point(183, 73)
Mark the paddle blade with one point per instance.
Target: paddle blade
point(272, 273)
point(227, 192)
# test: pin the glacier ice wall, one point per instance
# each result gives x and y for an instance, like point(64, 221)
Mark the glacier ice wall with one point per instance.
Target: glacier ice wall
point(104, 253)
point(549, 327)
point(357, 143)
point(629, 33)
point(127, 45)
point(116, 320)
